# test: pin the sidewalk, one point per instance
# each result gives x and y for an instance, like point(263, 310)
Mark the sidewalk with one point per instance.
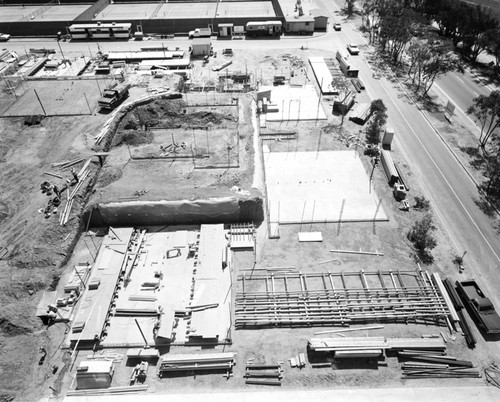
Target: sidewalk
point(409, 394)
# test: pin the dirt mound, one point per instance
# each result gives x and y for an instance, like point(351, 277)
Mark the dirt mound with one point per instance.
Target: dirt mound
point(133, 137)
point(10, 329)
point(4, 210)
point(28, 257)
point(109, 175)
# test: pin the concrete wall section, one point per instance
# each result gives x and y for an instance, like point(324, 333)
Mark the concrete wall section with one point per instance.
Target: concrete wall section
point(44, 28)
point(136, 213)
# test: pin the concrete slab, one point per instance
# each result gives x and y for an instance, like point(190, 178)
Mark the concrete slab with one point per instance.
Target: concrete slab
point(126, 12)
point(295, 104)
point(312, 186)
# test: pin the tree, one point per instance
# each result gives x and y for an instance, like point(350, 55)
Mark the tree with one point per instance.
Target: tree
point(493, 46)
point(349, 7)
point(430, 59)
point(421, 237)
point(487, 110)
point(491, 184)
point(379, 118)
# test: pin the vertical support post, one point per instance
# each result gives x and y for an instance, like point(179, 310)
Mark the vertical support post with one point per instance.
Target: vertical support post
point(86, 100)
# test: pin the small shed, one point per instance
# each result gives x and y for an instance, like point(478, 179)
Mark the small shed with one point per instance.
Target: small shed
point(304, 23)
point(226, 29)
point(320, 19)
point(201, 47)
point(94, 374)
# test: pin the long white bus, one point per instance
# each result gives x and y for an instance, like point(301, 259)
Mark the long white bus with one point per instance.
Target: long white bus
point(111, 30)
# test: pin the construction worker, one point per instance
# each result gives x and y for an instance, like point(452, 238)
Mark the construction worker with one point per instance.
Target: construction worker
point(75, 176)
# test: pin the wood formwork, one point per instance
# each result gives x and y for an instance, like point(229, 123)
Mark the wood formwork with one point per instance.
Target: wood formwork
point(291, 299)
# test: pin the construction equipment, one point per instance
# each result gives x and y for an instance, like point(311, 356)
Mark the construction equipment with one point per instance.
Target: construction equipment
point(140, 372)
point(113, 95)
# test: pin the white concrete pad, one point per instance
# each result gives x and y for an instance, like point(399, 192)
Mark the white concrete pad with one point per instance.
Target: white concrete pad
point(296, 104)
point(312, 186)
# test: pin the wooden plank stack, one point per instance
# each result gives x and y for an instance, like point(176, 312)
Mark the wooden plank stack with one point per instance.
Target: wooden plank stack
point(263, 374)
point(372, 346)
point(428, 364)
point(111, 390)
point(197, 362)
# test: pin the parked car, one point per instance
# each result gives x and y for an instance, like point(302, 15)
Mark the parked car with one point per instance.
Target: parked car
point(4, 37)
point(353, 48)
point(337, 26)
point(479, 306)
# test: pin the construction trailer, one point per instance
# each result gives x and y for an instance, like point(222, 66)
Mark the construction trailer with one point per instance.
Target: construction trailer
point(299, 24)
point(387, 138)
point(94, 374)
point(99, 30)
point(389, 167)
point(201, 47)
point(347, 66)
point(264, 28)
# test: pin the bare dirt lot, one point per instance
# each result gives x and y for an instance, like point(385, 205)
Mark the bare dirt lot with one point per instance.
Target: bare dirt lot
point(40, 251)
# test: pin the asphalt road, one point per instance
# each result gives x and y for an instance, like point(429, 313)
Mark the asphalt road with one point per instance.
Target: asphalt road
point(442, 178)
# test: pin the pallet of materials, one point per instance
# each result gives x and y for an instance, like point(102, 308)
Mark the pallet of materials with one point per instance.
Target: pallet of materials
point(197, 362)
point(361, 113)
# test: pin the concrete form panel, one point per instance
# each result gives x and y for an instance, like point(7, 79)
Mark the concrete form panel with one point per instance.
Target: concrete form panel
point(312, 187)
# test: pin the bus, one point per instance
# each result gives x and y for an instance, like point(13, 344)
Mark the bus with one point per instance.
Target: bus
point(99, 30)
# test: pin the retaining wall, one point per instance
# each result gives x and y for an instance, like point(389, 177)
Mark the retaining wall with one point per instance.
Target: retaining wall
point(157, 213)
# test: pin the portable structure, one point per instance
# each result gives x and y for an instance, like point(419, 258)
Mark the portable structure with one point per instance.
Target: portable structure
point(93, 374)
point(226, 30)
point(304, 23)
point(387, 138)
point(389, 167)
point(346, 65)
point(99, 30)
point(264, 28)
point(201, 47)
point(320, 19)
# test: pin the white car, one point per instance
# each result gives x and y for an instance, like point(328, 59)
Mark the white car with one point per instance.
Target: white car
point(4, 37)
point(353, 48)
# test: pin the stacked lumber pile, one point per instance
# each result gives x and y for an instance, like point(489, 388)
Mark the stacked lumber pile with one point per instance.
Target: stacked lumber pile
point(197, 362)
point(112, 390)
point(298, 361)
point(263, 374)
point(354, 347)
point(429, 364)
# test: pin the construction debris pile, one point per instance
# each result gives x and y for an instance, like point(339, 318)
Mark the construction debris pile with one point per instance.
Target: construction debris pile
point(429, 364)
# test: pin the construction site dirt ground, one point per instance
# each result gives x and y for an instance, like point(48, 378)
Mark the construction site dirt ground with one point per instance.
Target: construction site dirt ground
point(40, 249)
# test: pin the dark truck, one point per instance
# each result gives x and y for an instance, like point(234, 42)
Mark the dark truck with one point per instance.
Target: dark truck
point(113, 95)
point(479, 306)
